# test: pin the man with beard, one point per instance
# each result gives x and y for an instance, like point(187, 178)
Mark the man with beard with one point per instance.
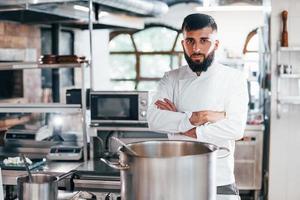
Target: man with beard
point(203, 101)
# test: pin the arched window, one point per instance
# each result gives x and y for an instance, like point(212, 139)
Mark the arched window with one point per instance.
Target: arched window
point(139, 59)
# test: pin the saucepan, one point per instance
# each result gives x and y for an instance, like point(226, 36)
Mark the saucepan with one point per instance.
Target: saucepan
point(42, 186)
point(168, 169)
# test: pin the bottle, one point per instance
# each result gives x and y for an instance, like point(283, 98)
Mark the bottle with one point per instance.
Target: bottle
point(280, 69)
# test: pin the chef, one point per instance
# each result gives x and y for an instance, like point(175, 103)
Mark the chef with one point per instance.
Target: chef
point(204, 100)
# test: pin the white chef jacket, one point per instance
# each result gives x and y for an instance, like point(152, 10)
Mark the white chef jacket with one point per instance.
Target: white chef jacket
point(220, 88)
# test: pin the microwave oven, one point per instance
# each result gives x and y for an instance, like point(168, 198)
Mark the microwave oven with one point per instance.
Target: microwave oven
point(118, 107)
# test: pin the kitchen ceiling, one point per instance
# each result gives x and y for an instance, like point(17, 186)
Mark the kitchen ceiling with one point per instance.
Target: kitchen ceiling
point(75, 12)
point(177, 11)
point(106, 13)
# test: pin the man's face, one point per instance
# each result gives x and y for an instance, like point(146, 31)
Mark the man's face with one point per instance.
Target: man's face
point(199, 47)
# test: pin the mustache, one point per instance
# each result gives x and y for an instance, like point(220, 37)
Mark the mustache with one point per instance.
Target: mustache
point(198, 54)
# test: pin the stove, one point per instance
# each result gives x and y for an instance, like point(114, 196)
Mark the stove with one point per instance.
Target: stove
point(83, 195)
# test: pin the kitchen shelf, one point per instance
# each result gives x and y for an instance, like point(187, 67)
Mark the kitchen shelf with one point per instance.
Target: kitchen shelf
point(293, 48)
point(281, 98)
point(35, 65)
point(291, 76)
point(289, 100)
point(41, 107)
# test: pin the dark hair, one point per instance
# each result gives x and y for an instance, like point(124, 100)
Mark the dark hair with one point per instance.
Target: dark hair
point(198, 21)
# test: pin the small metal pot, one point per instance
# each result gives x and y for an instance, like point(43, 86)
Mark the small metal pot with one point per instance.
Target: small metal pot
point(167, 170)
point(42, 187)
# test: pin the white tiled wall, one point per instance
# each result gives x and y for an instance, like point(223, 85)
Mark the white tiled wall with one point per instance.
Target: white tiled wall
point(285, 132)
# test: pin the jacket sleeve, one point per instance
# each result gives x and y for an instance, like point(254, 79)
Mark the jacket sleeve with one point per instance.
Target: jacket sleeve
point(163, 120)
point(236, 108)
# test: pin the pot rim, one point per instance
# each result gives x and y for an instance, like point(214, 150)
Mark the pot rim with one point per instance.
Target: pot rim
point(23, 178)
point(214, 148)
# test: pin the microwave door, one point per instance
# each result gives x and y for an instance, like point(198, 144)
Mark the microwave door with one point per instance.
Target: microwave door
point(111, 108)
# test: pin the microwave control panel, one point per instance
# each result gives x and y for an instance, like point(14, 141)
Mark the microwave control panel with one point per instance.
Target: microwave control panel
point(143, 106)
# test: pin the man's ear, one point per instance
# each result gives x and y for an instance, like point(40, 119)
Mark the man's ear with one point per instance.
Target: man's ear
point(183, 47)
point(216, 44)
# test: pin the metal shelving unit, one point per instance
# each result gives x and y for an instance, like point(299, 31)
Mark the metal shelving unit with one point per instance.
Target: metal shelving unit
point(288, 100)
point(50, 107)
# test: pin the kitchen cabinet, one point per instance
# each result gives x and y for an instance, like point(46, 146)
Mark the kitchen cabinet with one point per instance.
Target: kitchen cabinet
point(50, 107)
point(248, 159)
point(288, 82)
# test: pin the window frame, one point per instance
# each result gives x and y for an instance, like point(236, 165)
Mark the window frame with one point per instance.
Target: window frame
point(137, 53)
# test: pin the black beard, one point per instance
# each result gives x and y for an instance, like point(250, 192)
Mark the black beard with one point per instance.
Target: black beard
point(200, 66)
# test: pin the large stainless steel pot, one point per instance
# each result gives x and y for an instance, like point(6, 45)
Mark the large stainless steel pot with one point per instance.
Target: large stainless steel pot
point(164, 170)
point(42, 187)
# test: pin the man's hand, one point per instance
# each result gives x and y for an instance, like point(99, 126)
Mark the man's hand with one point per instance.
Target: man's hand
point(166, 104)
point(202, 117)
point(191, 133)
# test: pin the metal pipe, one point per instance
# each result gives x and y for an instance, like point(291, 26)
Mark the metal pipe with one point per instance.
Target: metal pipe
point(83, 104)
point(83, 88)
point(55, 30)
point(142, 7)
point(91, 42)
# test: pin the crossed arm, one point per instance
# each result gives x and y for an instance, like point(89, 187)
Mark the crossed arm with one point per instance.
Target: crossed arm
point(197, 119)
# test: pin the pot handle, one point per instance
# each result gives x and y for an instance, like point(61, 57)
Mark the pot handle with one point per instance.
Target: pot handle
point(226, 154)
point(118, 166)
point(65, 175)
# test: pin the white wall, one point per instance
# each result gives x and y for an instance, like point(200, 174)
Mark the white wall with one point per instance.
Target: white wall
point(100, 73)
point(284, 168)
